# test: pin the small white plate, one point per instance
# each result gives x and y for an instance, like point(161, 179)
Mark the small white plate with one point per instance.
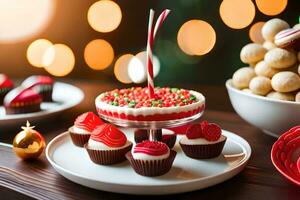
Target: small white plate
point(65, 96)
point(186, 174)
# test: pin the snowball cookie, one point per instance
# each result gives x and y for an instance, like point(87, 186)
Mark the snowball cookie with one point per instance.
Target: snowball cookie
point(280, 58)
point(281, 96)
point(252, 53)
point(272, 27)
point(242, 77)
point(262, 69)
point(260, 85)
point(285, 81)
point(297, 98)
point(269, 45)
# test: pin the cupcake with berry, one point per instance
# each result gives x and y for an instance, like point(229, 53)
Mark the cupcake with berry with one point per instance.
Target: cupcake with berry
point(22, 100)
point(5, 86)
point(83, 126)
point(40, 84)
point(203, 141)
point(107, 145)
point(166, 136)
point(151, 158)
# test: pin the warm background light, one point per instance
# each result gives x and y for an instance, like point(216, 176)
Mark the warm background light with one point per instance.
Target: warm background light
point(271, 7)
point(237, 14)
point(255, 32)
point(59, 60)
point(21, 19)
point(36, 51)
point(121, 68)
point(104, 16)
point(98, 54)
point(137, 68)
point(196, 37)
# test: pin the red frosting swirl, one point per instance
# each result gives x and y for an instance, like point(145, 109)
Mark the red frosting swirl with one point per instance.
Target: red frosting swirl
point(88, 121)
point(5, 82)
point(109, 135)
point(153, 148)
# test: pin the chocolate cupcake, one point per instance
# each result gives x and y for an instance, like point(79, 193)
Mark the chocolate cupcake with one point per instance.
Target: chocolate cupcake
point(83, 126)
point(203, 141)
point(5, 86)
point(22, 100)
point(107, 145)
point(40, 84)
point(151, 158)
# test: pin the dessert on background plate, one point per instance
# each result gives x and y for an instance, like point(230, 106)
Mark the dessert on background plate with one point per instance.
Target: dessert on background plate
point(5, 86)
point(135, 104)
point(22, 100)
point(83, 126)
point(151, 158)
point(107, 145)
point(203, 141)
point(40, 84)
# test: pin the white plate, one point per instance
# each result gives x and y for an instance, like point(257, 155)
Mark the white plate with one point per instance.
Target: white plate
point(65, 96)
point(186, 174)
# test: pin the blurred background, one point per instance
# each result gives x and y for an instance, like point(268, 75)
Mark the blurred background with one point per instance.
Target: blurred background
point(199, 43)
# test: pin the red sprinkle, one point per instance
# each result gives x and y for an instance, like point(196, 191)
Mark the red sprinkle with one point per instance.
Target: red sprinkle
point(194, 131)
point(211, 132)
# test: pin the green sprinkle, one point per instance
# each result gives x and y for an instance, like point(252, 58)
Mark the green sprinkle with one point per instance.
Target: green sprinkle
point(174, 90)
point(115, 103)
point(116, 94)
point(132, 104)
point(192, 98)
point(159, 101)
point(126, 100)
point(182, 97)
point(184, 100)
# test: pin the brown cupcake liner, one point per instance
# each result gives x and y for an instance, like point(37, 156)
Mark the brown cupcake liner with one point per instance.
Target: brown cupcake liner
point(152, 167)
point(23, 109)
point(46, 95)
point(79, 139)
point(170, 142)
point(203, 151)
point(107, 157)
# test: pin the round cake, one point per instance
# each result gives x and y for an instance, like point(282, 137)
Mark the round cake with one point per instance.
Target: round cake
point(136, 105)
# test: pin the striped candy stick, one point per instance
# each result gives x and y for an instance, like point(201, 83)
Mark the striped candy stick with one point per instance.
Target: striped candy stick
point(151, 35)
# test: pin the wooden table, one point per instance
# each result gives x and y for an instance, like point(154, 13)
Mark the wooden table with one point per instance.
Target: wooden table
point(259, 180)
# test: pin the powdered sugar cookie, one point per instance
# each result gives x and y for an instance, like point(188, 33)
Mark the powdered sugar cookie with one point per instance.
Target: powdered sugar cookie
point(281, 96)
point(262, 69)
point(252, 53)
point(260, 85)
point(272, 27)
point(269, 45)
point(242, 77)
point(285, 81)
point(280, 58)
point(297, 97)
point(289, 38)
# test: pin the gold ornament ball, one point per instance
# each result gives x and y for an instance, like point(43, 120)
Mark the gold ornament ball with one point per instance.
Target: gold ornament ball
point(29, 143)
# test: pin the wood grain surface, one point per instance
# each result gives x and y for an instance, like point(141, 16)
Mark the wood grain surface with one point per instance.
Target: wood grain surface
point(37, 179)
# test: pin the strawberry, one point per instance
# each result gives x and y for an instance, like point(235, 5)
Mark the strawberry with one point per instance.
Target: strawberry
point(194, 131)
point(211, 131)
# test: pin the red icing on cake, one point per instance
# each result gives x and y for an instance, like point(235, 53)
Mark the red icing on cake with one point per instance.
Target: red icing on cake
point(152, 148)
point(211, 131)
point(37, 80)
point(88, 121)
point(5, 82)
point(194, 131)
point(109, 135)
point(21, 95)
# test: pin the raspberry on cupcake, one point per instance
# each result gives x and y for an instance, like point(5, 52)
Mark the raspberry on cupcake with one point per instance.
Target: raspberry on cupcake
point(22, 100)
point(203, 141)
point(83, 126)
point(5, 86)
point(107, 145)
point(41, 84)
point(151, 158)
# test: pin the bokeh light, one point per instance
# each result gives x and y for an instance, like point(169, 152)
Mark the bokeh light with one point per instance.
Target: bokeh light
point(237, 14)
point(98, 54)
point(121, 68)
point(271, 7)
point(104, 16)
point(22, 19)
point(255, 32)
point(137, 68)
point(36, 50)
point(59, 60)
point(196, 37)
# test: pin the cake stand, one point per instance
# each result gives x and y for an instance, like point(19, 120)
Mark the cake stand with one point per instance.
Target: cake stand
point(154, 128)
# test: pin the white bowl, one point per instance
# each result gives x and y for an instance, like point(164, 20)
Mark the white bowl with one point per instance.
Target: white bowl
point(272, 116)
